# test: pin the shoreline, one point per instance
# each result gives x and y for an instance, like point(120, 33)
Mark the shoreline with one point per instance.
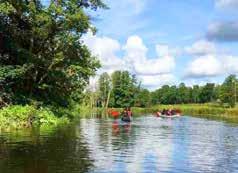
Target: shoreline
point(18, 116)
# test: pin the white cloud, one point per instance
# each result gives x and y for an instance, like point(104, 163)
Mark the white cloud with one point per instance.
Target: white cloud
point(230, 64)
point(212, 65)
point(105, 49)
point(226, 4)
point(209, 61)
point(156, 66)
point(141, 65)
point(204, 66)
point(153, 82)
point(201, 47)
point(152, 71)
point(135, 49)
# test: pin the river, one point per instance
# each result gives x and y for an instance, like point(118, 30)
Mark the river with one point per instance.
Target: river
point(146, 145)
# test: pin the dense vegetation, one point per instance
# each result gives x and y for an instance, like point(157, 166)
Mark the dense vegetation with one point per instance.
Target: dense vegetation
point(122, 89)
point(43, 61)
point(119, 90)
point(41, 55)
point(224, 94)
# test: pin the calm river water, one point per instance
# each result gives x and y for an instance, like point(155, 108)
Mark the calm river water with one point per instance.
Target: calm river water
point(146, 145)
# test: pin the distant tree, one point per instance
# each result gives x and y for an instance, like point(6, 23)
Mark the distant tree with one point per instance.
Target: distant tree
point(183, 94)
point(104, 88)
point(195, 92)
point(228, 90)
point(143, 98)
point(155, 97)
point(123, 89)
point(207, 93)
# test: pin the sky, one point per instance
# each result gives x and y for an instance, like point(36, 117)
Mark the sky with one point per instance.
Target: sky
point(167, 41)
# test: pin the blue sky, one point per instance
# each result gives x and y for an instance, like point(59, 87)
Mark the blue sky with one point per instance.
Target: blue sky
point(168, 41)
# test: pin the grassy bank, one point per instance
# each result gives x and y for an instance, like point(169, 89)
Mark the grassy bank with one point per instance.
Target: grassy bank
point(18, 116)
point(15, 117)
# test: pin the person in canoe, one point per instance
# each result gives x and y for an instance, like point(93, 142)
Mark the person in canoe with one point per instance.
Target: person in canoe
point(126, 114)
point(170, 112)
point(113, 113)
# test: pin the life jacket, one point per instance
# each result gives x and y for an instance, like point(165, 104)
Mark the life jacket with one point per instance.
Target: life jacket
point(129, 113)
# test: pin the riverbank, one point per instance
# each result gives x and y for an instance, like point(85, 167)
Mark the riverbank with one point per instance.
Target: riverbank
point(18, 116)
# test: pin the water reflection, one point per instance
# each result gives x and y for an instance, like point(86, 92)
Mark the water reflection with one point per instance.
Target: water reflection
point(62, 151)
point(148, 144)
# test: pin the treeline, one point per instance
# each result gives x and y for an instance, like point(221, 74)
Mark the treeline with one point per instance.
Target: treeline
point(122, 89)
point(224, 94)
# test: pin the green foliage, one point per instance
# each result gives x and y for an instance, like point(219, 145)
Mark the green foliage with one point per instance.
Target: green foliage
point(104, 88)
point(143, 98)
point(42, 56)
point(123, 89)
point(194, 94)
point(46, 116)
point(17, 116)
point(207, 93)
point(228, 91)
point(183, 94)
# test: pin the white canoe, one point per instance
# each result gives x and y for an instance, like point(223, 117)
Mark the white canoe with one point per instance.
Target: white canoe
point(169, 116)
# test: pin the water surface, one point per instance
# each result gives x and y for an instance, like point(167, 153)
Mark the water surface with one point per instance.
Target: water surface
point(148, 144)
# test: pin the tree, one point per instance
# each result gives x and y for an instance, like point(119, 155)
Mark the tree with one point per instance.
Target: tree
point(207, 93)
point(42, 56)
point(195, 92)
point(183, 93)
point(123, 89)
point(143, 98)
point(228, 91)
point(104, 89)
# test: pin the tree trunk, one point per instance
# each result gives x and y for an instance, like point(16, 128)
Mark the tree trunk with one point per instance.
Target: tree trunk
point(108, 98)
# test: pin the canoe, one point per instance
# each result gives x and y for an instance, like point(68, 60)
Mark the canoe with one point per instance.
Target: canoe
point(169, 116)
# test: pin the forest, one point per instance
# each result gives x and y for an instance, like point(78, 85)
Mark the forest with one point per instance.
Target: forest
point(122, 89)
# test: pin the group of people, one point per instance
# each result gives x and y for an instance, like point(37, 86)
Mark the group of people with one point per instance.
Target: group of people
point(126, 114)
point(169, 112)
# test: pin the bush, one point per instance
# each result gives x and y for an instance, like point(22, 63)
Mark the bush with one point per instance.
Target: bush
point(18, 116)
